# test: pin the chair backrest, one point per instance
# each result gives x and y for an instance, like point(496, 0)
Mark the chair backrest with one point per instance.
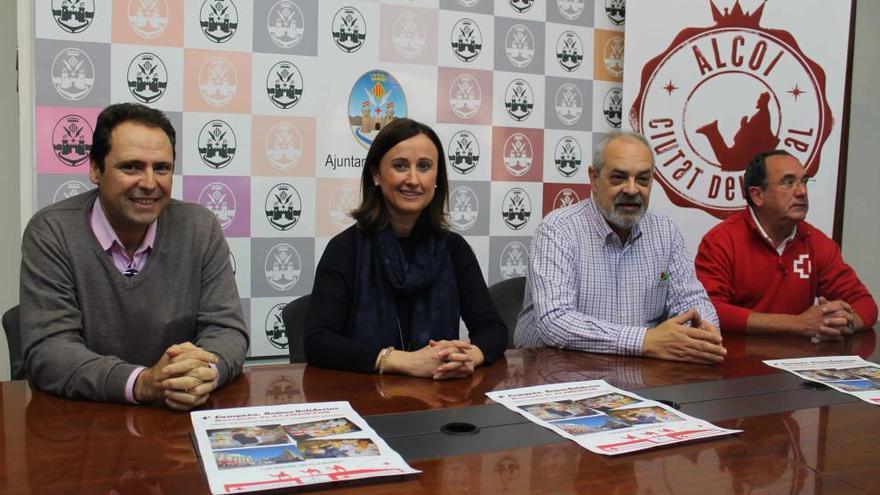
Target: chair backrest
point(508, 298)
point(12, 327)
point(294, 316)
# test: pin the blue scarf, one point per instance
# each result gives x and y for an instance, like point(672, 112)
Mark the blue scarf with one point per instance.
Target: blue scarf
point(428, 280)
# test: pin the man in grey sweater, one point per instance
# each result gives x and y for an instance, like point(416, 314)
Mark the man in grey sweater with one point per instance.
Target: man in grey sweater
point(128, 295)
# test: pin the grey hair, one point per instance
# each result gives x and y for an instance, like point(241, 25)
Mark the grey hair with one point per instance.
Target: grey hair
point(599, 150)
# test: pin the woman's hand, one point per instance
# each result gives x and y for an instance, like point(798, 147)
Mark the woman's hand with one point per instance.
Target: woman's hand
point(421, 363)
point(439, 360)
point(459, 358)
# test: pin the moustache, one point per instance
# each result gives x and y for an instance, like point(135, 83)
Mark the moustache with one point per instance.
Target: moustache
point(624, 198)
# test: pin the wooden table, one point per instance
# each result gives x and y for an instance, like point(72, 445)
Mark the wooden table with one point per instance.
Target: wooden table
point(53, 445)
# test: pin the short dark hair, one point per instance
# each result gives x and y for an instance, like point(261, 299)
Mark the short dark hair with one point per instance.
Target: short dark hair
point(756, 173)
point(372, 214)
point(118, 113)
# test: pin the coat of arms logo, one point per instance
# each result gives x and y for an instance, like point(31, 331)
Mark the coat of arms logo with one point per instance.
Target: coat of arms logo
point(718, 95)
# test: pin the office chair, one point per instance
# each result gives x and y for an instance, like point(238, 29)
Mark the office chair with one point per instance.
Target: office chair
point(12, 327)
point(294, 317)
point(508, 298)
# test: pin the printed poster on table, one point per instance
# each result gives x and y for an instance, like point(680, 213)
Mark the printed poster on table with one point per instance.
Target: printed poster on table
point(270, 447)
point(848, 374)
point(605, 419)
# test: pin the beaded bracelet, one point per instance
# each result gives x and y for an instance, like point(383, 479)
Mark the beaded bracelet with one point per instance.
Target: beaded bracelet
point(383, 358)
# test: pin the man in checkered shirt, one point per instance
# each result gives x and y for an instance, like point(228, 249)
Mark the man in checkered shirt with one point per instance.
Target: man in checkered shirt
point(605, 275)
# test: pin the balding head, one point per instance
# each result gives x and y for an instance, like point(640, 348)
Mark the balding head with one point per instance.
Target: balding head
point(599, 156)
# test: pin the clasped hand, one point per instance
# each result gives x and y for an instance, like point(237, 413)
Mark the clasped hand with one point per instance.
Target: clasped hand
point(439, 360)
point(827, 320)
point(686, 337)
point(183, 378)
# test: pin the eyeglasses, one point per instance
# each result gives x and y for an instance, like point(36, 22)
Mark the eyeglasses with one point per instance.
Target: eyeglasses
point(790, 182)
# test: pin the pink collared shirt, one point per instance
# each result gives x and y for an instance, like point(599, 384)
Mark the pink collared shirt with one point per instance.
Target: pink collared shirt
point(110, 243)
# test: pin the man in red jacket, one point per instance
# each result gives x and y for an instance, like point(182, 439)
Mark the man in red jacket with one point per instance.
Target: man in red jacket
point(768, 271)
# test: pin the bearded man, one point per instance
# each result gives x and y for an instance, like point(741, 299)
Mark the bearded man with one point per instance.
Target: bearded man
point(607, 275)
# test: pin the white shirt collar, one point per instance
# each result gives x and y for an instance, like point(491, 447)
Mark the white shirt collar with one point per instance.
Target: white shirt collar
point(767, 238)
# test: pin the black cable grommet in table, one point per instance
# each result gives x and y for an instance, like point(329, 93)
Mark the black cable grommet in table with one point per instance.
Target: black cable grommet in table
point(459, 429)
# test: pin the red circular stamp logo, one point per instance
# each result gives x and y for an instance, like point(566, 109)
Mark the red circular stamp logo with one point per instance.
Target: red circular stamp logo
point(719, 95)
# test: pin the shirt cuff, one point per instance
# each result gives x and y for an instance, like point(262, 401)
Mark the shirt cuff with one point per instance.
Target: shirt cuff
point(630, 341)
point(129, 385)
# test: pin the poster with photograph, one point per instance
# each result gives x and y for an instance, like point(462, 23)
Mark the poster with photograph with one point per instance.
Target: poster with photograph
point(263, 448)
point(604, 419)
point(848, 374)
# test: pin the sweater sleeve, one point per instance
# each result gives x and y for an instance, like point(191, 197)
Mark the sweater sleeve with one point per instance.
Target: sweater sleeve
point(714, 265)
point(324, 341)
point(220, 326)
point(838, 280)
point(485, 327)
point(55, 356)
